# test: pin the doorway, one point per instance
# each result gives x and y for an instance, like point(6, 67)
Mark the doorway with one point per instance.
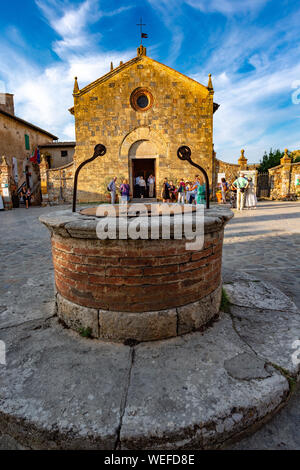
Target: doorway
point(142, 167)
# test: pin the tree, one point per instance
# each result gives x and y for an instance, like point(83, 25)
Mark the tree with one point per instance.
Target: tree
point(270, 160)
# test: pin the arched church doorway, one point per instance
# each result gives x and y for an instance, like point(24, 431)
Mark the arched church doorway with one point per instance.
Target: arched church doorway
point(143, 157)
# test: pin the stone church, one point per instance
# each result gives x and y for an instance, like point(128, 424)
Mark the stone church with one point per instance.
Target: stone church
point(142, 111)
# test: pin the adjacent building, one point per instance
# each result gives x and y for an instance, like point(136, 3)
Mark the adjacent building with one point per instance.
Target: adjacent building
point(18, 139)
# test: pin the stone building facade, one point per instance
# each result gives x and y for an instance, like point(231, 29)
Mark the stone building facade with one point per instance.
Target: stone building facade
point(285, 178)
point(58, 154)
point(17, 140)
point(142, 111)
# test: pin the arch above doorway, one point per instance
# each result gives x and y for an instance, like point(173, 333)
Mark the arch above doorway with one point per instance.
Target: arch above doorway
point(143, 148)
point(141, 134)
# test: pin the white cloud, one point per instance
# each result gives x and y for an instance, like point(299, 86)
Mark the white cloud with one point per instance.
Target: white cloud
point(227, 7)
point(44, 95)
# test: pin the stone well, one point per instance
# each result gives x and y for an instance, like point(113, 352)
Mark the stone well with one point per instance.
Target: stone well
point(144, 289)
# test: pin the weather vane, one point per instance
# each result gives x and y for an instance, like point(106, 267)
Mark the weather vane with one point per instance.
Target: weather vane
point(143, 35)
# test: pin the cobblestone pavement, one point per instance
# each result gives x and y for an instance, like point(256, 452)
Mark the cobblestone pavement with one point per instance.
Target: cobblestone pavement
point(264, 242)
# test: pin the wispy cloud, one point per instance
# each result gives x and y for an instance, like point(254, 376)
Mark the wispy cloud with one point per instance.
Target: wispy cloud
point(256, 110)
point(227, 7)
point(43, 95)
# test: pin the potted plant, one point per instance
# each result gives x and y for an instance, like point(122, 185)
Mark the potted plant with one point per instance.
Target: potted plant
point(219, 196)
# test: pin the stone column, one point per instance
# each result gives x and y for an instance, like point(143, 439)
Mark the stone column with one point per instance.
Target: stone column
point(44, 180)
point(286, 167)
point(5, 174)
point(242, 161)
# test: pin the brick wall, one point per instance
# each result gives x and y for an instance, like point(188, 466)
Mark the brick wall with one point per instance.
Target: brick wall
point(135, 276)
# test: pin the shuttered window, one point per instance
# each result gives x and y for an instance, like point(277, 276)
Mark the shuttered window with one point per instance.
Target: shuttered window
point(27, 143)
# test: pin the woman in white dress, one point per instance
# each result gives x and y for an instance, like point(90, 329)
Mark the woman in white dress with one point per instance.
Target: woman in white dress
point(250, 199)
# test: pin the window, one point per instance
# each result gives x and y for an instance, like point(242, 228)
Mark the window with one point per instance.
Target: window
point(27, 143)
point(64, 153)
point(141, 99)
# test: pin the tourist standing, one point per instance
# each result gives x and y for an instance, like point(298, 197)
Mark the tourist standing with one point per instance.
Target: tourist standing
point(112, 188)
point(194, 190)
point(241, 184)
point(165, 194)
point(224, 189)
point(188, 187)
point(125, 192)
point(172, 192)
point(201, 190)
point(142, 185)
point(250, 199)
point(181, 191)
point(151, 181)
point(137, 187)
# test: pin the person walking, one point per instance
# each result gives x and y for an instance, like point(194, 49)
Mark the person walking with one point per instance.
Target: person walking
point(151, 181)
point(142, 185)
point(165, 194)
point(125, 192)
point(241, 184)
point(250, 199)
point(112, 188)
point(181, 191)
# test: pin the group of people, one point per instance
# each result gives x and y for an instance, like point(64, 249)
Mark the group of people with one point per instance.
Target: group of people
point(124, 190)
point(141, 185)
point(185, 192)
point(241, 192)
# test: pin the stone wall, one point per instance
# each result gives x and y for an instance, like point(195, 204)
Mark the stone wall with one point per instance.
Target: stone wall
point(12, 142)
point(57, 183)
point(54, 152)
point(283, 179)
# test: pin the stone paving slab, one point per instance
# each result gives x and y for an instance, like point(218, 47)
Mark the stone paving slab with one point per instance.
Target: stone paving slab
point(267, 320)
point(183, 393)
point(59, 390)
point(258, 245)
point(258, 294)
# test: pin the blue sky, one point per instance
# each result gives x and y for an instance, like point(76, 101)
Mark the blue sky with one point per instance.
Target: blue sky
point(251, 48)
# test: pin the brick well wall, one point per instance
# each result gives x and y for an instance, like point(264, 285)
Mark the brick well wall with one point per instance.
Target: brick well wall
point(135, 276)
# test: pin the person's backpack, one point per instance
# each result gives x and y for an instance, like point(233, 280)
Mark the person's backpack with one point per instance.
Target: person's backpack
point(109, 187)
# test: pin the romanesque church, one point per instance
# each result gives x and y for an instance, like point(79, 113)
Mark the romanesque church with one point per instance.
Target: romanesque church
point(142, 111)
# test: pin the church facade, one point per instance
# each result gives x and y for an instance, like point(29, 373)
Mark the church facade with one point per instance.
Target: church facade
point(142, 111)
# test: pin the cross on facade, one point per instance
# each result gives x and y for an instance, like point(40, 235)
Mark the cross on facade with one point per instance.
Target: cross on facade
point(143, 35)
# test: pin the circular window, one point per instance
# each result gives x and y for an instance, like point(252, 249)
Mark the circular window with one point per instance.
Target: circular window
point(141, 99)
